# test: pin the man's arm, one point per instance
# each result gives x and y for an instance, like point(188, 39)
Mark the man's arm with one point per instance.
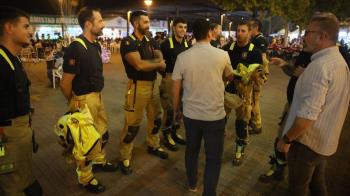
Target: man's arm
point(177, 85)
point(135, 60)
point(66, 85)
point(298, 128)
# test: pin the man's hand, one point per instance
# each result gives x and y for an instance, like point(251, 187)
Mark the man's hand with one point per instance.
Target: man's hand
point(282, 147)
point(162, 65)
point(274, 61)
point(298, 71)
point(177, 116)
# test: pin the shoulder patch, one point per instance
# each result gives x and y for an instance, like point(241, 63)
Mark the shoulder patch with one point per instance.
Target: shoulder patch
point(71, 62)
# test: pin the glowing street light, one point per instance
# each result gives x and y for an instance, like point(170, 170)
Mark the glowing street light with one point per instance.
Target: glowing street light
point(222, 19)
point(128, 22)
point(148, 2)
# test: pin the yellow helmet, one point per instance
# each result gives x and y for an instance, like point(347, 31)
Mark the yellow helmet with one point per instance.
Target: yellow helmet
point(61, 128)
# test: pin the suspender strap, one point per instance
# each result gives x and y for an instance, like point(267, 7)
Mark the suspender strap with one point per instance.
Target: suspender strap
point(251, 47)
point(232, 46)
point(171, 42)
point(3, 54)
point(81, 42)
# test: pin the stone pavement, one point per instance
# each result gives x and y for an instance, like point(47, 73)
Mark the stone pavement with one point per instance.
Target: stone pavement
point(153, 176)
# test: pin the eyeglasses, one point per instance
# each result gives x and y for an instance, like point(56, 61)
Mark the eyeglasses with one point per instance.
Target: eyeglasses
point(307, 32)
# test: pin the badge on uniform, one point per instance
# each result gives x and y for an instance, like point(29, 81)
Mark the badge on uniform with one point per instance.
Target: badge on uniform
point(127, 43)
point(244, 55)
point(71, 62)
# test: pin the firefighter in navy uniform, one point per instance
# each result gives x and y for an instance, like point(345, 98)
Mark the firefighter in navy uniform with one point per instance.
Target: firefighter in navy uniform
point(216, 30)
point(172, 47)
point(259, 41)
point(16, 134)
point(142, 59)
point(247, 64)
point(81, 84)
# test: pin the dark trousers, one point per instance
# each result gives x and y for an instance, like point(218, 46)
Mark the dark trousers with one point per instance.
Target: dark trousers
point(213, 134)
point(306, 171)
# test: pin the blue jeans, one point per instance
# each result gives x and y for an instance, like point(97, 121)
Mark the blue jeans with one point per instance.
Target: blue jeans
point(213, 134)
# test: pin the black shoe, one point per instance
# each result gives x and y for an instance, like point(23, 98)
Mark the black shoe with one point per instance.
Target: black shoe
point(170, 144)
point(176, 137)
point(108, 167)
point(159, 152)
point(271, 176)
point(237, 161)
point(255, 131)
point(94, 187)
point(124, 167)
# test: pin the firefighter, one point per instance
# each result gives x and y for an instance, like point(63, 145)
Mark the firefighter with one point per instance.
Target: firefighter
point(16, 134)
point(259, 41)
point(81, 84)
point(246, 61)
point(142, 59)
point(172, 47)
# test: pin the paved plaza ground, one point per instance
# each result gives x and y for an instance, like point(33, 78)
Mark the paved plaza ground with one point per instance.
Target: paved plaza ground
point(151, 175)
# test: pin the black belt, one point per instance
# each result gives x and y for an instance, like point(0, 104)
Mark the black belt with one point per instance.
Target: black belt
point(5, 123)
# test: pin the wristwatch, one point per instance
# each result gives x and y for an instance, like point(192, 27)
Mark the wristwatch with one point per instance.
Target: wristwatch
point(286, 140)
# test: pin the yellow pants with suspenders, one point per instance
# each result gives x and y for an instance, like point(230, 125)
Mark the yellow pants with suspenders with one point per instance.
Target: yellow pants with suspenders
point(140, 96)
point(16, 150)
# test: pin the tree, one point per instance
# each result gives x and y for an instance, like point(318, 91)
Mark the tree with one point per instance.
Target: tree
point(294, 11)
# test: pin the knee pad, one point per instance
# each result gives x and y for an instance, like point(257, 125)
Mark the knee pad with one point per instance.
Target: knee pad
point(157, 123)
point(241, 129)
point(131, 134)
point(34, 189)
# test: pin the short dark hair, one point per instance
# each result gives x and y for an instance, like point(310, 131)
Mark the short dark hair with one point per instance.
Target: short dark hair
point(135, 15)
point(201, 28)
point(213, 26)
point(244, 22)
point(179, 20)
point(328, 23)
point(10, 14)
point(86, 14)
point(254, 22)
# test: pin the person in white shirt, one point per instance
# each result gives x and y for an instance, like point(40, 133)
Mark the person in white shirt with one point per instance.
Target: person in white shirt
point(200, 71)
point(320, 103)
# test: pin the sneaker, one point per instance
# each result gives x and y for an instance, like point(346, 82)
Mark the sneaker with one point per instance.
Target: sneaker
point(94, 187)
point(159, 152)
point(108, 167)
point(124, 167)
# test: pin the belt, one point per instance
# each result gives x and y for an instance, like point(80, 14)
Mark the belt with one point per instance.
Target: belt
point(5, 123)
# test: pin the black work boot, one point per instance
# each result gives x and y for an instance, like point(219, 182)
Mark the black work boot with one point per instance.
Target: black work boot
point(252, 129)
point(239, 155)
point(176, 137)
point(275, 173)
point(124, 167)
point(107, 167)
point(94, 187)
point(168, 141)
point(159, 152)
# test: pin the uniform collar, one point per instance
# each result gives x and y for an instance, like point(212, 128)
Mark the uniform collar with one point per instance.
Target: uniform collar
point(145, 38)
